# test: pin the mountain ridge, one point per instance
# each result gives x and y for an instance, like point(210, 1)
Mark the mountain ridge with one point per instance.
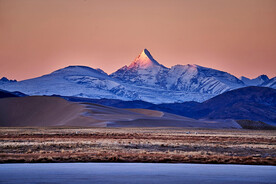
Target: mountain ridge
point(252, 103)
point(143, 79)
point(255, 81)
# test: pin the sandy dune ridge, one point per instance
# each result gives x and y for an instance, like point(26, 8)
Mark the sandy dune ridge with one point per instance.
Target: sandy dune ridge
point(55, 111)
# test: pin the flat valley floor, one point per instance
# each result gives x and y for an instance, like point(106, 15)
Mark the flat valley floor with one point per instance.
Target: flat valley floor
point(152, 145)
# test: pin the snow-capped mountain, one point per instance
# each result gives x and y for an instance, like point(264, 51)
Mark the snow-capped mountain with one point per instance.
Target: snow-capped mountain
point(82, 81)
point(255, 82)
point(144, 79)
point(196, 78)
point(145, 70)
point(71, 81)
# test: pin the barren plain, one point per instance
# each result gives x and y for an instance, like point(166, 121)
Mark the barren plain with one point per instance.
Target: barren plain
point(166, 145)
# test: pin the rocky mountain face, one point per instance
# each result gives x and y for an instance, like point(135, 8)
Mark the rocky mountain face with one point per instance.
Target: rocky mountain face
point(144, 79)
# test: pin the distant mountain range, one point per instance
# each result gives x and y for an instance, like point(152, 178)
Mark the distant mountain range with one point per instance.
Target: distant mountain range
point(252, 103)
point(254, 82)
point(248, 103)
point(144, 79)
point(4, 80)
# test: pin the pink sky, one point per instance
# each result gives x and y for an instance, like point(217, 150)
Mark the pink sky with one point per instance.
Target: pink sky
point(40, 36)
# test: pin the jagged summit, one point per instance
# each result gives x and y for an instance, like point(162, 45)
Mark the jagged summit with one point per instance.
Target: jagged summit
point(144, 60)
point(5, 79)
point(263, 77)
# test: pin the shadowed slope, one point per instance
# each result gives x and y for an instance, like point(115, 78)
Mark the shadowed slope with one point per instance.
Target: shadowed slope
point(43, 111)
point(253, 103)
point(55, 111)
point(6, 94)
point(256, 103)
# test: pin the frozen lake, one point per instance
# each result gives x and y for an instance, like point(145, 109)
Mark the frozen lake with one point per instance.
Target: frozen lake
point(133, 173)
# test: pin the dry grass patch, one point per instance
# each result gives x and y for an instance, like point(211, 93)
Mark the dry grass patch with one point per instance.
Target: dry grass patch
point(137, 145)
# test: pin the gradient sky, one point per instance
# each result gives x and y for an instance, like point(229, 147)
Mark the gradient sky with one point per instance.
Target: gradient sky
point(39, 36)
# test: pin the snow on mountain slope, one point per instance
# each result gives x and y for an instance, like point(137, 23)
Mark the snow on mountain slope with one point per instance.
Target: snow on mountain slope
point(87, 82)
point(73, 81)
point(144, 61)
point(196, 78)
point(144, 79)
point(144, 70)
point(254, 82)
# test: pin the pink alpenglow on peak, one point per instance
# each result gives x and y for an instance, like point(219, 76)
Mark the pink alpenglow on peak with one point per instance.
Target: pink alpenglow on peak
point(144, 60)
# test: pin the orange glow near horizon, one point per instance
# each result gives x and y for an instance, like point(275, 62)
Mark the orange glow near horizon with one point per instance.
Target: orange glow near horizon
point(38, 36)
